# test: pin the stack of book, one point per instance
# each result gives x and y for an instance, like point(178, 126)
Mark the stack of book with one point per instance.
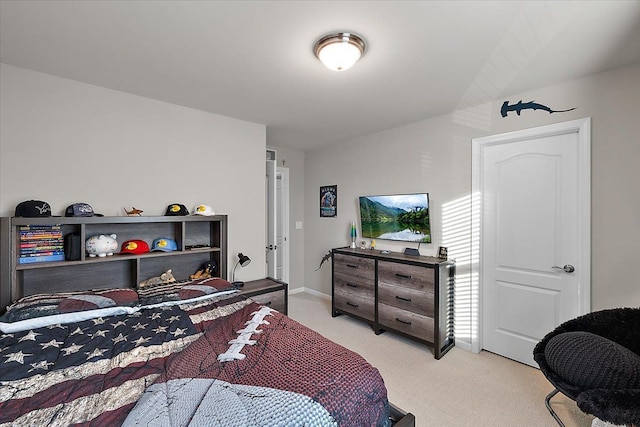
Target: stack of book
point(41, 243)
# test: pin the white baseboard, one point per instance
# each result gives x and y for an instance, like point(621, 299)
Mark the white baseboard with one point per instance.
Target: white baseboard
point(465, 346)
point(318, 294)
point(310, 292)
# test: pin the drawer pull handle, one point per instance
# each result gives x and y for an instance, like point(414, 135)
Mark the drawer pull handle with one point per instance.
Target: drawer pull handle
point(402, 321)
point(352, 305)
point(404, 276)
point(351, 285)
point(352, 266)
point(403, 299)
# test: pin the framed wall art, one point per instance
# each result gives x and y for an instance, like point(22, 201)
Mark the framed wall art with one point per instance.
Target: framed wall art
point(443, 252)
point(329, 201)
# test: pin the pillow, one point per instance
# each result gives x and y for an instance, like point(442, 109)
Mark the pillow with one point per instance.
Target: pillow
point(179, 291)
point(590, 361)
point(40, 305)
point(63, 319)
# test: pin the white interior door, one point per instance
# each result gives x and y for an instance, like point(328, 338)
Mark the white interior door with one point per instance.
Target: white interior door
point(271, 226)
point(534, 244)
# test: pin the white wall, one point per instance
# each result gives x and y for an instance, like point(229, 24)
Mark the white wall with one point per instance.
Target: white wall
point(434, 156)
point(63, 142)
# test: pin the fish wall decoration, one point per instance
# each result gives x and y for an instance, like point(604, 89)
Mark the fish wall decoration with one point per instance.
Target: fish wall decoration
point(531, 105)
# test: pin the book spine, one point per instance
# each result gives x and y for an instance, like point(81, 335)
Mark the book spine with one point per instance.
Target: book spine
point(45, 258)
point(41, 244)
point(41, 235)
point(40, 253)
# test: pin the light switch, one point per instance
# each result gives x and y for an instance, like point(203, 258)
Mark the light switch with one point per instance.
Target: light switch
point(298, 225)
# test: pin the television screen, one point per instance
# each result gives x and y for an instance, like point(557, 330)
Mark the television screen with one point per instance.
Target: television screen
point(402, 217)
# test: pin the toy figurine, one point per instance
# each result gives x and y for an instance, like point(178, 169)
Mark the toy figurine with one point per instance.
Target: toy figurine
point(326, 257)
point(133, 211)
point(205, 272)
point(373, 244)
point(166, 277)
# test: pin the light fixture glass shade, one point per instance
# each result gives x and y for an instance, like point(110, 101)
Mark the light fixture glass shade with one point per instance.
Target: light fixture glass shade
point(339, 51)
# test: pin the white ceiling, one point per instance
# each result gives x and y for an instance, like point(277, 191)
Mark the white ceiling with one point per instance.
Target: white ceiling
point(253, 60)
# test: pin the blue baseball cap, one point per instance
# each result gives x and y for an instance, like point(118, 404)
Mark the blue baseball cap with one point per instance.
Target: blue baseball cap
point(164, 244)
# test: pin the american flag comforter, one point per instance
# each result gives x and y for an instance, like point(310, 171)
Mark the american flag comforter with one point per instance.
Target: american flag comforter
point(226, 361)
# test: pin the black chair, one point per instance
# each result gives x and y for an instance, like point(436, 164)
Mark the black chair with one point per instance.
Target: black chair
point(595, 360)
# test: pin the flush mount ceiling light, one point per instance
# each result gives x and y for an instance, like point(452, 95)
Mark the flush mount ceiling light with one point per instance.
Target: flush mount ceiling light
point(339, 51)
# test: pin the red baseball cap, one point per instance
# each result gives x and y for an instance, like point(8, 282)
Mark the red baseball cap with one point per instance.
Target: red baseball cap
point(134, 247)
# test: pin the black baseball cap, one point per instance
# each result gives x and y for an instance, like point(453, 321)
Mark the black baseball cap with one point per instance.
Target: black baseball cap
point(33, 209)
point(80, 209)
point(176, 209)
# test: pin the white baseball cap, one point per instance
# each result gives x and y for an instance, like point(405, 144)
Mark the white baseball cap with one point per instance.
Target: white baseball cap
point(203, 210)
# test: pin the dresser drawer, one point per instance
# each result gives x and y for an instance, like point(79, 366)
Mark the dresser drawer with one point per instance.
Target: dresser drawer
point(406, 298)
point(273, 300)
point(408, 276)
point(354, 266)
point(405, 321)
point(354, 284)
point(359, 304)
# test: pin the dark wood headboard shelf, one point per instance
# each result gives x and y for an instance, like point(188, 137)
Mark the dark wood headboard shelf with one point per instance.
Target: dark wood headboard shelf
point(207, 233)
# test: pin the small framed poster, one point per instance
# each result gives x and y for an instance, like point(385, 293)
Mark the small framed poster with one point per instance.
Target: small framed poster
point(329, 201)
point(443, 252)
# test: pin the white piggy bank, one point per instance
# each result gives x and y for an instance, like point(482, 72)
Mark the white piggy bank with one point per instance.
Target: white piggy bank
point(101, 245)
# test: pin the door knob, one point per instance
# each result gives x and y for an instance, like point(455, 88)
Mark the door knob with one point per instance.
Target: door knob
point(567, 268)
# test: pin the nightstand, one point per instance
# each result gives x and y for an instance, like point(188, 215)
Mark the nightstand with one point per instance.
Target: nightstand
point(270, 292)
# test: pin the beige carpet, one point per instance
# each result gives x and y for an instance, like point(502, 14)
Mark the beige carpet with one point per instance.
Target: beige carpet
point(461, 389)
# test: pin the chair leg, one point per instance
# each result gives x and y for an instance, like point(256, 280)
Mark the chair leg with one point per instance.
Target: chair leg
point(548, 405)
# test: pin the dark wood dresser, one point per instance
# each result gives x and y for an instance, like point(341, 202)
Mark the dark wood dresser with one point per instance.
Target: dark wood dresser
point(411, 295)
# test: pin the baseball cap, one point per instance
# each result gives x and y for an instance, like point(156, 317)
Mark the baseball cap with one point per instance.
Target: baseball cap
point(176, 209)
point(80, 209)
point(33, 209)
point(164, 244)
point(134, 247)
point(203, 210)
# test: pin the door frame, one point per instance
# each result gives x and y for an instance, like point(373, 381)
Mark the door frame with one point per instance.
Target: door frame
point(271, 212)
point(283, 218)
point(583, 128)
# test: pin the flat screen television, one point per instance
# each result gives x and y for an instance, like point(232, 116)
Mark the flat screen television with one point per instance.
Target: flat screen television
point(403, 217)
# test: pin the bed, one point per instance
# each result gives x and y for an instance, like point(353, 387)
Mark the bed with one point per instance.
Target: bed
point(190, 353)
